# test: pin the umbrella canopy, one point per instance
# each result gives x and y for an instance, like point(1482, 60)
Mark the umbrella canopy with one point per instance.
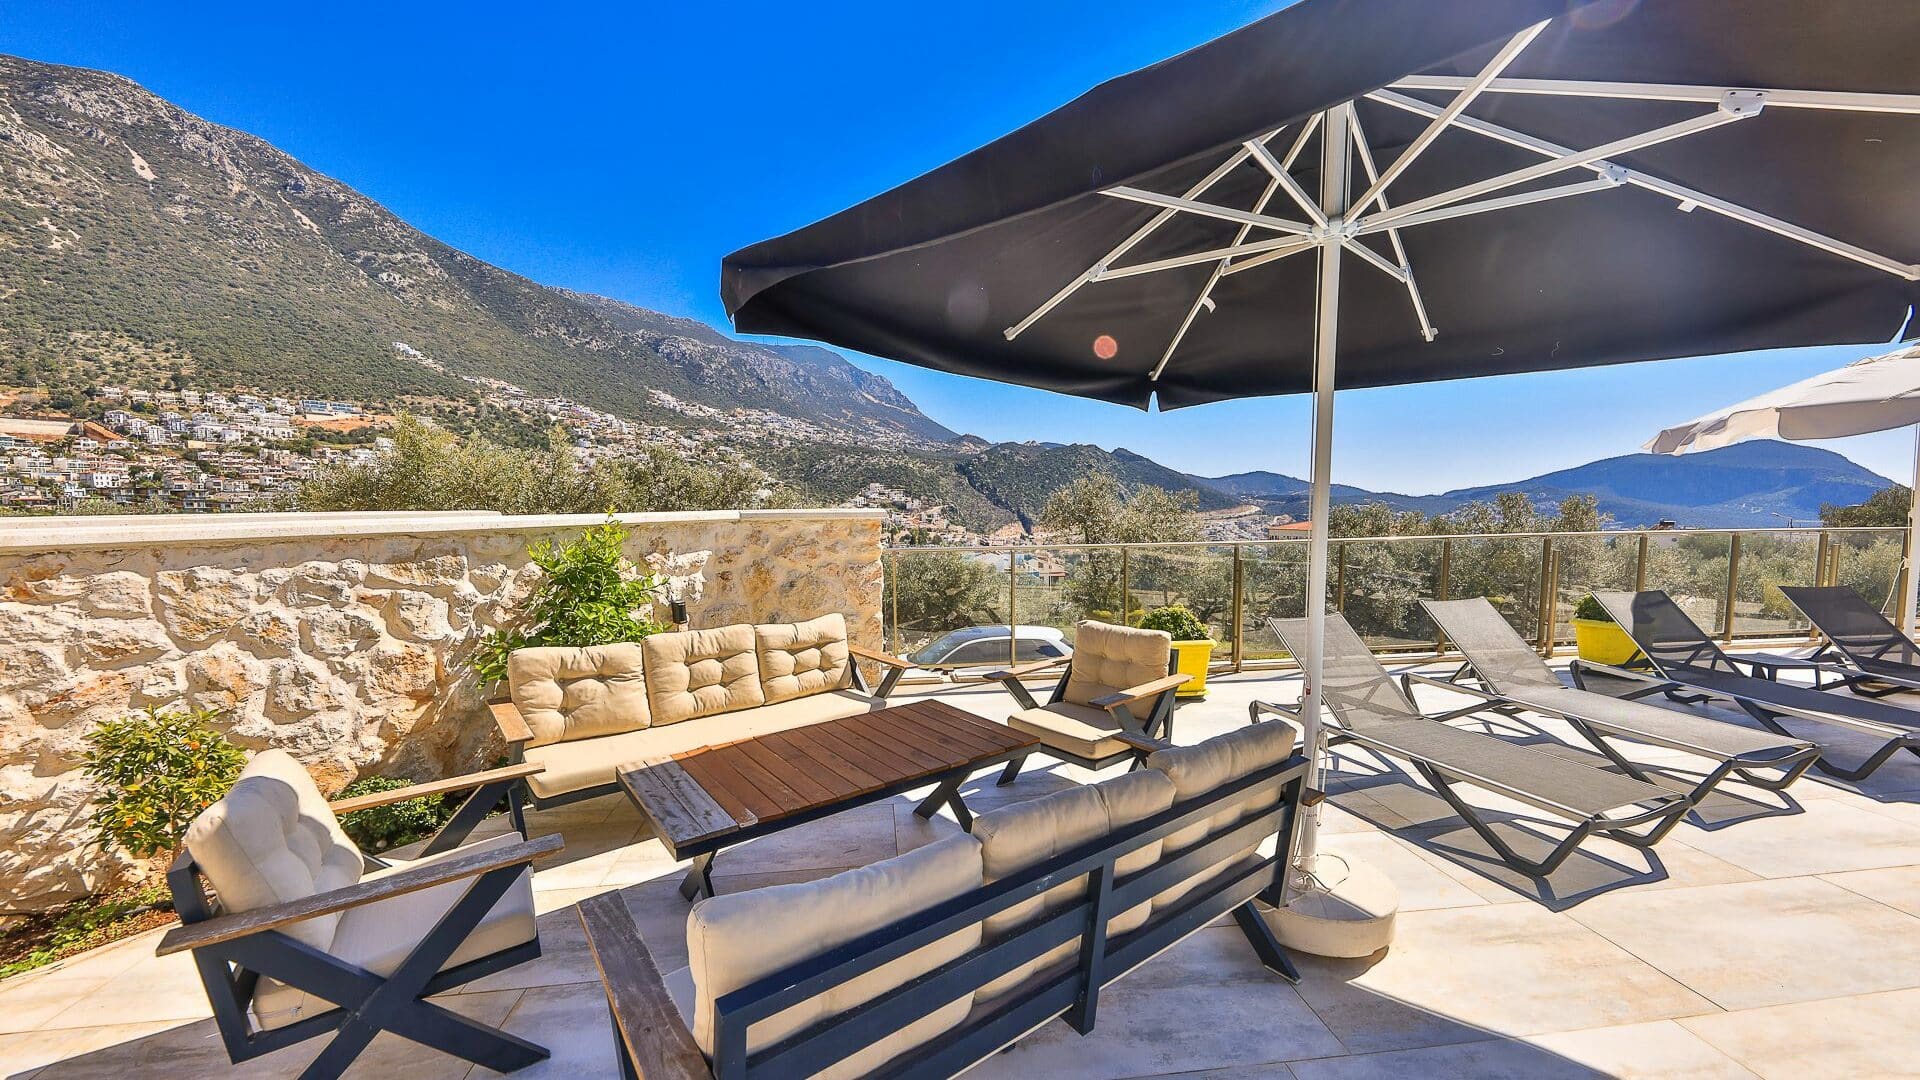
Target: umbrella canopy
point(1876, 394)
point(1879, 393)
point(1715, 219)
point(1532, 184)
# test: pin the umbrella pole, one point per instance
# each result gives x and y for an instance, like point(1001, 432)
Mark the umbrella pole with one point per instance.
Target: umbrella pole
point(1334, 905)
point(1907, 601)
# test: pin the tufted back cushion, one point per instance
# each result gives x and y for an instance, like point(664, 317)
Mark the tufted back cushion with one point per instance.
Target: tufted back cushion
point(737, 938)
point(577, 693)
point(1202, 769)
point(797, 659)
point(701, 672)
point(1108, 658)
point(1016, 837)
point(273, 839)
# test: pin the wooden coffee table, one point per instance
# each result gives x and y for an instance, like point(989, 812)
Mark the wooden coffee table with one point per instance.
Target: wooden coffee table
point(703, 800)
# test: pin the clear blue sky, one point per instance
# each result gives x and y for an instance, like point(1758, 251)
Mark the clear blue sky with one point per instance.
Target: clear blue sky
point(624, 148)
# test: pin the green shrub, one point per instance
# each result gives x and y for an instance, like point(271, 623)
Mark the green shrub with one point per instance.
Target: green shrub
point(589, 594)
point(390, 826)
point(1589, 608)
point(1175, 620)
point(155, 771)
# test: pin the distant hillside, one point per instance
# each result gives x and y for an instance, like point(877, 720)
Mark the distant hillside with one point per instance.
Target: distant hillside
point(1747, 484)
point(1020, 476)
point(140, 243)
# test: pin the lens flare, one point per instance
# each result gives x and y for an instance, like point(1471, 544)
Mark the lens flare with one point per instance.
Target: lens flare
point(1105, 347)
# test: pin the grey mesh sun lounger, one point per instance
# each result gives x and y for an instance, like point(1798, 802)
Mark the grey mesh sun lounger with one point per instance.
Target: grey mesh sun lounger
point(1683, 658)
point(1879, 659)
point(1369, 709)
point(1511, 672)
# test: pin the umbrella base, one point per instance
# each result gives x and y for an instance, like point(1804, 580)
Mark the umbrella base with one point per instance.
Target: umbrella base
point(1347, 911)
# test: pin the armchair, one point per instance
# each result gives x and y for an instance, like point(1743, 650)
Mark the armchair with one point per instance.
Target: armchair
point(297, 934)
point(1114, 699)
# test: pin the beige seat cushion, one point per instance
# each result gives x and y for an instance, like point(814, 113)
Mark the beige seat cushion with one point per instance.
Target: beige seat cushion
point(697, 673)
point(1016, 837)
point(736, 938)
point(797, 659)
point(1108, 659)
point(1077, 729)
point(273, 839)
point(576, 766)
point(379, 936)
point(568, 693)
point(1198, 770)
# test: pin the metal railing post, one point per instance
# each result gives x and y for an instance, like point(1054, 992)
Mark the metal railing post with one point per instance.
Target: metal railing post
point(1013, 615)
point(1340, 581)
point(1443, 587)
point(1543, 634)
point(894, 582)
point(1819, 576)
point(1238, 606)
point(1640, 565)
point(1733, 587)
point(1126, 601)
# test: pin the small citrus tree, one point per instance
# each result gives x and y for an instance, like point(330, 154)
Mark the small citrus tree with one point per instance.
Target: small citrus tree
point(155, 771)
point(589, 594)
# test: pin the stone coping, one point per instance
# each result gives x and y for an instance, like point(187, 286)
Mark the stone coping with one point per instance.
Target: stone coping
point(27, 536)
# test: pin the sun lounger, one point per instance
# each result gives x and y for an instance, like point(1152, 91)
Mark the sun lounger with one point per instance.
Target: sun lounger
point(1879, 659)
point(1509, 671)
point(1368, 708)
point(1683, 658)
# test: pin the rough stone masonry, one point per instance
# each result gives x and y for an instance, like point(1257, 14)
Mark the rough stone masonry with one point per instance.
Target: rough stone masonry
point(343, 638)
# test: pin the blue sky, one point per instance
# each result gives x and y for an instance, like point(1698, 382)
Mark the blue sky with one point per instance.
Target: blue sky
point(624, 148)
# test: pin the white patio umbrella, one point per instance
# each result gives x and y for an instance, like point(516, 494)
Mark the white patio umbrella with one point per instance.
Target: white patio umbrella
point(1876, 394)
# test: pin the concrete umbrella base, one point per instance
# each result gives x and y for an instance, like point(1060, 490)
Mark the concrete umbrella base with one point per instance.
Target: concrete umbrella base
point(1348, 910)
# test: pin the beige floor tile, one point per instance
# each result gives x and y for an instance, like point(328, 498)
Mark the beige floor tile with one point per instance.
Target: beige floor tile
point(1829, 836)
point(1461, 974)
point(572, 1022)
point(855, 837)
point(1657, 1051)
point(22, 1053)
point(163, 988)
point(1847, 1038)
point(1895, 886)
point(1422, 884)
point(563, 958)
point(1752, 944)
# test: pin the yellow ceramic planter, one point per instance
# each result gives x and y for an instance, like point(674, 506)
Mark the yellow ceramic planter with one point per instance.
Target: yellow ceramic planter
point(1194, 658)
point(1603, 642)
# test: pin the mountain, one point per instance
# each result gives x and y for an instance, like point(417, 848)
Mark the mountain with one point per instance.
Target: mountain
point(1750, 484)
point(141, 243)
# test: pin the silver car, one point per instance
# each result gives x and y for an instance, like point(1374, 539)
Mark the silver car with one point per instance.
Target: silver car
point(986, 646)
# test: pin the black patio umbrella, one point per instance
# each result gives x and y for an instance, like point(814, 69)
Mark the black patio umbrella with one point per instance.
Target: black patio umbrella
point(1530, 185)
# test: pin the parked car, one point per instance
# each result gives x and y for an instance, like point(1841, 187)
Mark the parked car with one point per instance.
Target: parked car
point(986, 647)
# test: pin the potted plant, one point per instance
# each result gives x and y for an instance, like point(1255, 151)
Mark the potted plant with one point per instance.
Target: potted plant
point(1599, 638)
point(1191, 643)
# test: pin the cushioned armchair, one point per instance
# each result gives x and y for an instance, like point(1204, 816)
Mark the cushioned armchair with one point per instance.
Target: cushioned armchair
point(297, 933)
point(1114, 699)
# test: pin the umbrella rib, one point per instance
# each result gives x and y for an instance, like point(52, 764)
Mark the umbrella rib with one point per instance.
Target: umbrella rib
point(1472, 88)
point(1685, 195)
point(1090, 273)
point(1284, 244)
point(1207, 209)
point(1206, 291)
point(1835, 100)
point(1729, 113)
point(1265, 159)
point(1393, 235)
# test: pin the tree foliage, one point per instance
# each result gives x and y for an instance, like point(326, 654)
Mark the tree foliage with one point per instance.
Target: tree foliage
point(156, 770)
point(589, 594)
point(1888, 506)
point(1098, 509)
point(934, 591)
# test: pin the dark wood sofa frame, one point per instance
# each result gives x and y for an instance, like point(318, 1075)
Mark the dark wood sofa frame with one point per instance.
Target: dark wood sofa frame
point(232, 950)
point(658, 1046)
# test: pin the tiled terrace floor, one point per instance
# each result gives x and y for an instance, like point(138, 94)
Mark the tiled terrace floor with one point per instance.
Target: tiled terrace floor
point(1767, 936)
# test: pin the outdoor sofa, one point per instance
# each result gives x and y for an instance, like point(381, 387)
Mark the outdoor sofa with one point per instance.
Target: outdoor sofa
point(296, 933)
point(1114, 700)
point(926, 963)
point(1678, 659)
point(1512, 676)
point(1372, 710)
point(580, 713)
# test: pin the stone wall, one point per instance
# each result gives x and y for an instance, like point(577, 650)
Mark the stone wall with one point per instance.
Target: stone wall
point(343, 638)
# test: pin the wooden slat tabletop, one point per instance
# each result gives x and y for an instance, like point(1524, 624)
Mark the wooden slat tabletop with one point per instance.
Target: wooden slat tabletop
point(704, 794)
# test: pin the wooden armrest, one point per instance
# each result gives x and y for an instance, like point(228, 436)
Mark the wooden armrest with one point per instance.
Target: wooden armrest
point(1025, 670)
point(656, 1041)
point(1142, 742)
point(1142, 692)
point(877, 656)
point(241, 924)
point(434, 787)
point(513, 727)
